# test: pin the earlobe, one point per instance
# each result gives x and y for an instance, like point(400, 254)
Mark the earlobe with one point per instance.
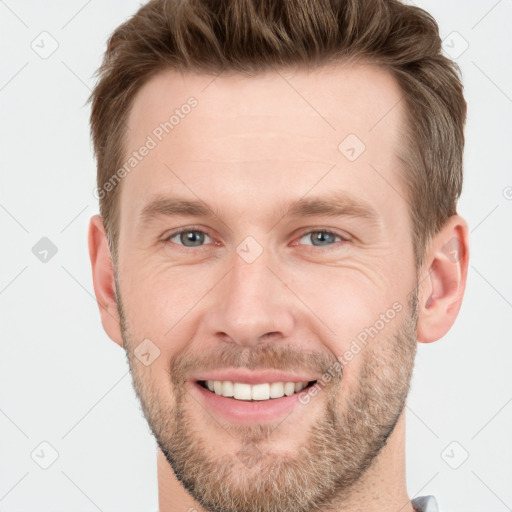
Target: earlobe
point(103, 278)
point(444, 280)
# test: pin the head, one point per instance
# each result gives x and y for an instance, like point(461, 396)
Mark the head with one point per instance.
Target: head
point(278, 186)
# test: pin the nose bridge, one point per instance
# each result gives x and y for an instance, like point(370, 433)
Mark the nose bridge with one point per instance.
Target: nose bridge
point(252, 302)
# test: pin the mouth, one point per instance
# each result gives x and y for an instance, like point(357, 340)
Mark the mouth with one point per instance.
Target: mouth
point(244, 392)
point(249, 398)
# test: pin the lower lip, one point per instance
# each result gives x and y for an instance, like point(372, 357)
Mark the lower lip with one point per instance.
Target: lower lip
point(246, 412)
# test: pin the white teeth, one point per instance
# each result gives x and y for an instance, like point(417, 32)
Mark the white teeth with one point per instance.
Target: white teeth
point(260, 392)
point(265, 391)
point(227, 388)
point(289, 388)
point(276, 390)
point(241, 391)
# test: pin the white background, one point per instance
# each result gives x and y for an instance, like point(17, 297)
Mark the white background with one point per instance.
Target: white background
point(64, 382)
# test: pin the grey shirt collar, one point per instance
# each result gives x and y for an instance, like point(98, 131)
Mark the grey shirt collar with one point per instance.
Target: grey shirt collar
point(425, 504)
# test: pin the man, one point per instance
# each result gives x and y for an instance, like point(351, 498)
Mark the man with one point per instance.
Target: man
point(278, 185)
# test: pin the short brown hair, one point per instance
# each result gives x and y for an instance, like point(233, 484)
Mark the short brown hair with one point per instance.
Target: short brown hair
point(252, 36)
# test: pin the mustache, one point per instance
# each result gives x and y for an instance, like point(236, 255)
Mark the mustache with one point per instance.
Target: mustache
point(273, 356)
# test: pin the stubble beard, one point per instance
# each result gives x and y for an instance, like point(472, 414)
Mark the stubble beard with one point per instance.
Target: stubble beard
point(323, 472)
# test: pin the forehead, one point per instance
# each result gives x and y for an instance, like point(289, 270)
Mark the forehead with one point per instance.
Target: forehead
point(278, 131)
point(337, 99)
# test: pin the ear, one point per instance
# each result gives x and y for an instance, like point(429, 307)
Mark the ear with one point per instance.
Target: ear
point(103, 279)
point(444, 280)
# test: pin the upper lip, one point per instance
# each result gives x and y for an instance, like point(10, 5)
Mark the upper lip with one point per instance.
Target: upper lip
point(253, 377)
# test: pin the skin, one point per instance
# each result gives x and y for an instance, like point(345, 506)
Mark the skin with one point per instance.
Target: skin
point(250, 147)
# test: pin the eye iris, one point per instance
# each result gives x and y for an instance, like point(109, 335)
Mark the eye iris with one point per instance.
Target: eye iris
point(323, 237)
point(191, 236)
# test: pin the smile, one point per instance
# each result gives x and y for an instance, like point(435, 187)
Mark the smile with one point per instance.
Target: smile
point(257, 392)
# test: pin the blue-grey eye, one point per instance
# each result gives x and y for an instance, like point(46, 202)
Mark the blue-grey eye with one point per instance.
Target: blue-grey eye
point(190, 238)
point(321, 238)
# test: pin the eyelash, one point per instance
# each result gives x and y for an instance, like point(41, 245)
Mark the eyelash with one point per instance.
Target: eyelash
point(167, 240)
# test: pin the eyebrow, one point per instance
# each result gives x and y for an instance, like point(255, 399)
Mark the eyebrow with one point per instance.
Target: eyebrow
point(337, 204)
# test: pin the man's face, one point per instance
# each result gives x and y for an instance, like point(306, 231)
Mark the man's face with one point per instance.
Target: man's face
point(255, 283)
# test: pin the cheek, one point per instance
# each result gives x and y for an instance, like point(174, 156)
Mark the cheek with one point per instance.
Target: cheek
point(161, 297)
point(347, 297)
point(353, 311)
point(158, 308)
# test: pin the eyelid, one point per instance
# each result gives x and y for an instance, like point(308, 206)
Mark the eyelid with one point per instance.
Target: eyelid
point(184, 229)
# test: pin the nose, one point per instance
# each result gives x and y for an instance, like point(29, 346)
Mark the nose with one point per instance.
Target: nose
point(251, 305)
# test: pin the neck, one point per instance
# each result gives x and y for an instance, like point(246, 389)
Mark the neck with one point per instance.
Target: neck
point(382, 488)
